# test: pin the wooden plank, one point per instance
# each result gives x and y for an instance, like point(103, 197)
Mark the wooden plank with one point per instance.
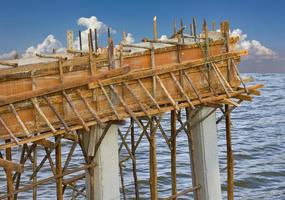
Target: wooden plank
point(139, 74)
point(2, 62)
point(62, 86)
point(244, 97)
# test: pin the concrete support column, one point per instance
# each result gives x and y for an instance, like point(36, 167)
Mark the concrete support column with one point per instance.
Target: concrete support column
point(205, 156)
point(102, 182)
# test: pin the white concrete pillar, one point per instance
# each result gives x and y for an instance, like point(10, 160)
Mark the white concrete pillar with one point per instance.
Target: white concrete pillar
point(205, 156)
point(104, 184)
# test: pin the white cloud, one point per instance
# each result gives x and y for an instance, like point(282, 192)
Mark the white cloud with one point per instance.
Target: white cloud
point(8, 56)
point(47, 46)
point(163, 37)
point(50, 42)
point(90, 23)
point(255, 48)
point(129, 39)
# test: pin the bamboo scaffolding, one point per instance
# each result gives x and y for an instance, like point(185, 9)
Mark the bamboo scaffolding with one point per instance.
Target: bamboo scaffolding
point(139, 82)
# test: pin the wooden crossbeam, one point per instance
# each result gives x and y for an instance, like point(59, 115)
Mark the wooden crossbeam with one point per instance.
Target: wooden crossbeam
point(148, 94)
point(237, 71)
point(223, 78)
point(182, 90)
point(12, 166)
point(39, 110)
point(91, 110)
point(243, 97)
point(166, 108)
point(109, 101)
point(137, 99)
point(132, 114)
point(193, 86)
point(45, 143)
point(9, 131)
point(60, 118)
point(230, 102)
point(23, 126)
point(221, 81)
point(172, 101)
point(72, 106)
point(68, 84)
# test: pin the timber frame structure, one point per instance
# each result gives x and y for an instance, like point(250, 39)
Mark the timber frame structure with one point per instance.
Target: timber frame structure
point(45, 105)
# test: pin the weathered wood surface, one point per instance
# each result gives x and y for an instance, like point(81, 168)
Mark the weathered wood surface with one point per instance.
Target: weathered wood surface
point(62, 93)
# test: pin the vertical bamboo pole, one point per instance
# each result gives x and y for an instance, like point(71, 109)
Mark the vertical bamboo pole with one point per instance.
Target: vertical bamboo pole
point(154, 28)
point(174, 27)
point(110, 51)
point(91, 39)
point(134, 161)
point(96, 40)
point(153, 167)
point(122, 182)
point(191, 30)
point(182, 32)
point(191, 154)
point(69, 38)
point(9, 174)
point(80, 40)
point(34, 168)
point(230, 159)
point(173, 153)
point(195, 29)
point(59, 190)
point(205, 29)
point(124, 37)
point(214, 26)
point(34, 85)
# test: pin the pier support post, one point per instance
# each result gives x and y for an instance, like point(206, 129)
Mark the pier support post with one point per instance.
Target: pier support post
point(205, 155)
point(102, 181)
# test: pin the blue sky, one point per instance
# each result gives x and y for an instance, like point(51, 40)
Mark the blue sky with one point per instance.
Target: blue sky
point(27, 23)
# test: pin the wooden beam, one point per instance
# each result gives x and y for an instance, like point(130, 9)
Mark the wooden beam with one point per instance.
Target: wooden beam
point(72, 106)
point(59, 189)
point(172, 101)
point(9, 165)
point(230, 159)
point(45, 143)
point(39, 110)
point(23, 126)
point(173, 153)
point(62, 86)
